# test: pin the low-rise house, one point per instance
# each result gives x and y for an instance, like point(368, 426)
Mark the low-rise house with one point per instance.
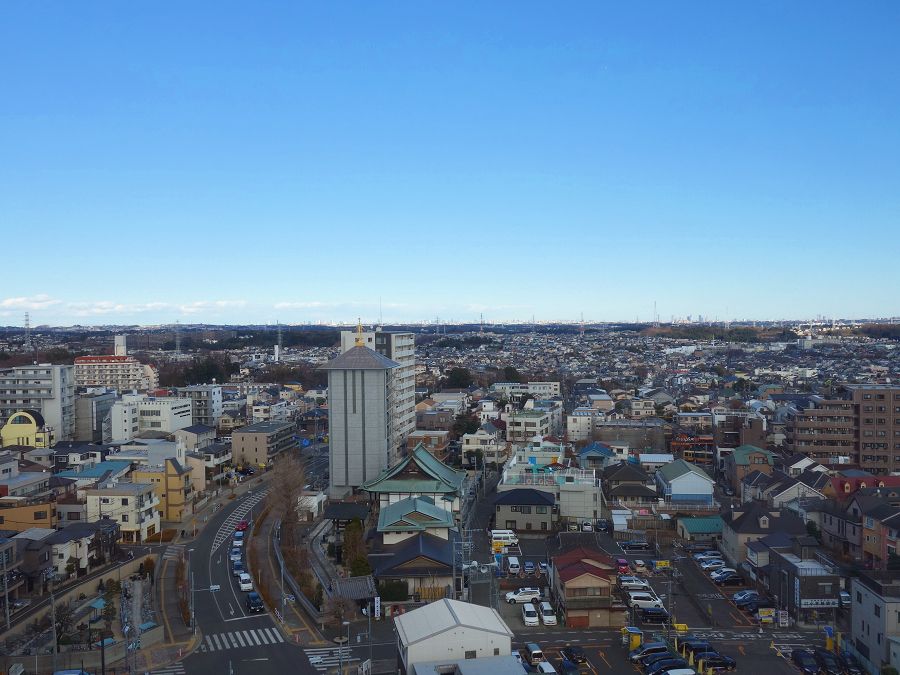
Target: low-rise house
point(875, 608)
point(132, 505)
point(684, 483)
point(753, 522)
point(700, 529)
point(10, 564)
point(36, 553)
point(597, 456)
point(196, 436)
point(172, 484)
point(582, 586)
point(746, 459)
point(525, 509)
point(435, 442)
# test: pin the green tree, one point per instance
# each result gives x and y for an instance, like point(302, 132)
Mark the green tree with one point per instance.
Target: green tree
point(466, 423)
point(459, 378)
point(510, 374)
point(360, 567)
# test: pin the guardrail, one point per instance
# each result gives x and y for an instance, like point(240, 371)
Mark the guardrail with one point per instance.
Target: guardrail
point(289, 581)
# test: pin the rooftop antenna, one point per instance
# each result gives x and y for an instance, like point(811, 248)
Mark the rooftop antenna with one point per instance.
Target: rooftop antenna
point(359, 333)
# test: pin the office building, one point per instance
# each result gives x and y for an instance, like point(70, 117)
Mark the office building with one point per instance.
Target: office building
point(47, 389)
point(257, 444)
point(363, 434)
point(91, 414)
point(400, 348)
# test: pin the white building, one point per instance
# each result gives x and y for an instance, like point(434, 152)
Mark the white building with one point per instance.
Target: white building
point(580, 424)
point(136, 413)
point(516, 390)
point(401, 349)
point(524, 425)
point(207, 402)
point(46, 388)
point(449, 629)
point(118, 371)
point(132, 505)
point(274, 411)
point(363, 439)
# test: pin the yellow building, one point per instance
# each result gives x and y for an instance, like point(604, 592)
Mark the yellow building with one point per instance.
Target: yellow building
point(173, 487)
point(26, 427)
point(19, 516)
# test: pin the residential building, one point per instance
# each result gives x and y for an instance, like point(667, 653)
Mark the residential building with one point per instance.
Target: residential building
point(875, 609)
point(271, 411)
point(651, 461)
point(216, 460)
point(26, 427)
point(92, 410)
point(258, 444)
point(744, 460)
point(577, 492)
point(629, 486)
point(448, 630)
point(132, 505)
point(525, 425)
point(206, 401)
point(17, 514)
point(48, 389)
point(139, 413)
point(11, 563)
point(580, 423)
point(196, 436)
point(684, 483)
point(399, 347)
point(36, 554)
point(363, 435)
point(120, 372)
point(699, 420)
point(700, 529)
point(596, 456)
point(525, 509)
point(436, 442)
point(435, 420)
point(638, 408)
point(172, 485)
point(751, 523)
point(583, 589)
point(486, 440)
point(515, 391)
point(23, 485)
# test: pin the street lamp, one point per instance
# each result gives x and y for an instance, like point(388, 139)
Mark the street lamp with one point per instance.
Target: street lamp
point(346, 624)
point(193, 622)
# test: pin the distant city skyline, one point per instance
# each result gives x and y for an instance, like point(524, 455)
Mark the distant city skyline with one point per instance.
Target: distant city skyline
point(251, 163)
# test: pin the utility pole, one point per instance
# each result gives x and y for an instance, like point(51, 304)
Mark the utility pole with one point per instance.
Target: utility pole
point(53, 622)
point(6, 590)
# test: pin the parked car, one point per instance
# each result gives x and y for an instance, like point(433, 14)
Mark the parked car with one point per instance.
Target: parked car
point(652, 615)
point(712, 564)
point(805, 661)
point(602, 525)
point(829, 664)
point(255, 603)
point(643, 600)
point(245, 582)
point(622, 566)
point(566, 667)
point(850, 664)
point(546, 668)
point(523, 595)
point(845, 599)
point(573, 653)
point(529, 567)
point(696, 646)
point(744, 596)
point(573, 527)
point(665, 664)
point(722, 571)
point(647, 649)
point(548, 616)
point(730, 579)
point(631, 583)
point(530, 615)
point(653, 661)
point(635, 545)
point(586, 526)
point(715, 661)
point(542, 567)
point(706, 555)
point(640, 567)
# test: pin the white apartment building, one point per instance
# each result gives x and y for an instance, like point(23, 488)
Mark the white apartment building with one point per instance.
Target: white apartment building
point(580, 424)
point(137, 413)
point(363, 438)
point(117, 371)
point(279, 411)
point(46, 388)
point(516, 390)
point(400, 348)
point(493, 448)
point(640, 407)
point(132, 505)
point(207, 402)
point(524, 425)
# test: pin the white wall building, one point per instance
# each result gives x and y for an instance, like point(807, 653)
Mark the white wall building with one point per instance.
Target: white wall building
point(515, 390)
point(117, 371)
point(132, 505)
point(136, 413)
point(207, 402)
point(46, 388)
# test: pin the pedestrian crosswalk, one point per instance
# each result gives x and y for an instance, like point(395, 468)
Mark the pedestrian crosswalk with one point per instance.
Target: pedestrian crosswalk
point(238, 639)
point(174, 669)
point(174, 552)
point(329, 657)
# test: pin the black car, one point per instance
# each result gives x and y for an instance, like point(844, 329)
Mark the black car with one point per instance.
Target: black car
point(850, 664)
point(715, 661)
point(255, 603)
point(650, 661)
point(828, 662)
point(635, 545)
point(805, 661)
point(573, 653)
point(668, 663)
point(654, 615)
point(731, 579)
point(696, 646)
point(602, 525)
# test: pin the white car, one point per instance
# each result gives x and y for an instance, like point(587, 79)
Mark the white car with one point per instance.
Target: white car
point(523, 595)
point(586, 526)
point(714, 564)
point(708, 555)
point(546, 668)
point(640, 566)
point(628, 583)
point(237, 543)
point(643, 600)
point(721, 572)
point(245, 582)
point(530, 615)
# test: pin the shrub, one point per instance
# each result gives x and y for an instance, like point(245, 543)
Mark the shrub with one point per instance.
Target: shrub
point(396, 590)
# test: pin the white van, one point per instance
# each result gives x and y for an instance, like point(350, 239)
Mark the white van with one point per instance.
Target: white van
point(529, 615)
point(512, 564)
point(505, 537)
point(643, 600)
point(548, 616)
point(245, 582)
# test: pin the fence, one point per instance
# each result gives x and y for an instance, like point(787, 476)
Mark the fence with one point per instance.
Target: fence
point(289, 581)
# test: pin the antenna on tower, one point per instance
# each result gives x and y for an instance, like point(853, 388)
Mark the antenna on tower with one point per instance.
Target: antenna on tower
point(177, 336)
point(280, 346)
point(481, 323)
point(581, 326)
point(28, 343)
point(380, 315)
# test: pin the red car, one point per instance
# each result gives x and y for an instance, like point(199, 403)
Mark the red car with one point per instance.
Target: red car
point(622, 566)
point(241, 526)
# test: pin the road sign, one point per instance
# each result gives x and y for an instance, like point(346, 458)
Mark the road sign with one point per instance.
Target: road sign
point(377, 606)
point(783, 620)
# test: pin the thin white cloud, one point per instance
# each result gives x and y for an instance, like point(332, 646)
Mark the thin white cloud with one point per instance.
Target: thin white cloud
point(201, 306)
point(106, 307)
point(29, 304)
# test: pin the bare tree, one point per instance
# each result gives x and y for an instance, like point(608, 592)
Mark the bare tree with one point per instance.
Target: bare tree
point(284, 497)
point(338, 608)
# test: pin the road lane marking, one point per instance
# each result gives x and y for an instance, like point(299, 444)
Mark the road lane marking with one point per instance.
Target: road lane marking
point(603, 656)
point(209, 643)
point(239, 638)
point(215, 639)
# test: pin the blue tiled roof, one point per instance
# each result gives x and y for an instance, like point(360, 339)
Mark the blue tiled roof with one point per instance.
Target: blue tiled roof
point(97, 471)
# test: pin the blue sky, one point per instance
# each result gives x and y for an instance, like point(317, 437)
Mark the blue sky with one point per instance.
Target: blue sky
point(244, 162)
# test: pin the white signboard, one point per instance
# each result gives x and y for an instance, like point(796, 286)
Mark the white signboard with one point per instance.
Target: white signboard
point(377, 606)
point(819, 602)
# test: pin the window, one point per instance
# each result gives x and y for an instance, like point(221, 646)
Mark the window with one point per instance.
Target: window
point(540, 509)
point(124, 501)
point(40, 515)
point(124, 517)
point(470, 654)
point(877, 610)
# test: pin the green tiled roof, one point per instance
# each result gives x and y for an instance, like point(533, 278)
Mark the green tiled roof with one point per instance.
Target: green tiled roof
point(680, 467)
point(442, 478)
point(704, 525)
point(741, 455)
point(413, 513)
